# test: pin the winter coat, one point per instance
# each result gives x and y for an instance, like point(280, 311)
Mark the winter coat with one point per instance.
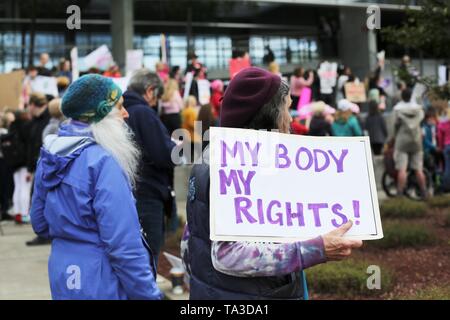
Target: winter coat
point(82, 201)
point(156, 145)
point(349, 128)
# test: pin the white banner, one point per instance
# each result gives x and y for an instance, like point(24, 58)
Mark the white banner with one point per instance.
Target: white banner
point(45, 85)
point(134, 61)
point(100, 58)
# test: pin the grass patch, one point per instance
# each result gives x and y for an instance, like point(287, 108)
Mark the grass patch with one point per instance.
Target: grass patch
point(346, 278)
point(433, 293)
point(401, 234)
point(442, 201)
point(403, 208)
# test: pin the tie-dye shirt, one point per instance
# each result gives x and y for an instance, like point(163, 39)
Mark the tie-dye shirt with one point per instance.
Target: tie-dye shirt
point(257, 259)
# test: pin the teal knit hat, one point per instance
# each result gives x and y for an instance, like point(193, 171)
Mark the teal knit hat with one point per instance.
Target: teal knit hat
point(90, 98)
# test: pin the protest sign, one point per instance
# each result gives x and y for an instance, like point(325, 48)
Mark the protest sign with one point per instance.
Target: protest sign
point(355, 92)
point(442, 75)
point(204, 92)
point(100, 58)
point(45, 85)
point(237, 64)
point(327, 73)
point(11, 84)
point(134, 61)
point(187, 84)
point(74, 62)
point(121, 82)
point(274, 187)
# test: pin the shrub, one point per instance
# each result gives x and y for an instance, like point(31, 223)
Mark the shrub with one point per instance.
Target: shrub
point(346, 278)
point(401, 234)
point(440, 201)
point(403, 208)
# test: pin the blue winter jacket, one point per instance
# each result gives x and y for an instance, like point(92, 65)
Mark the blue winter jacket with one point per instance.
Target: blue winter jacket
point(82, 201)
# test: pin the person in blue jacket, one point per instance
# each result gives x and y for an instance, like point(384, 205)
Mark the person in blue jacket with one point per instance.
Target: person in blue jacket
point(83, 200)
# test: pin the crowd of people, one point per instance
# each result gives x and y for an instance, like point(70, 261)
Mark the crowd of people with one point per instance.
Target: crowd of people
point(62, 154)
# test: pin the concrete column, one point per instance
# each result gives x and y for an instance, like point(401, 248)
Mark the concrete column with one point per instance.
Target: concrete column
point(122, 30)
point(357, 44)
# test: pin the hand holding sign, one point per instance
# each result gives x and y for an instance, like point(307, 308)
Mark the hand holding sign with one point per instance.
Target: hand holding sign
point(337, 247)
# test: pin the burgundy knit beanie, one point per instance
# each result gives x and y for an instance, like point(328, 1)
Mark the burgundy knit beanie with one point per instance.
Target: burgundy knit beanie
point(249, 90)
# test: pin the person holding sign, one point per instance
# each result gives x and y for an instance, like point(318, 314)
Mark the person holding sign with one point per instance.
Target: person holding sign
point(255, 99)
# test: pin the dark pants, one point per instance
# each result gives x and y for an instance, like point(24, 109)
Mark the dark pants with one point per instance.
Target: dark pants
point(151, 215)
point(377, 148)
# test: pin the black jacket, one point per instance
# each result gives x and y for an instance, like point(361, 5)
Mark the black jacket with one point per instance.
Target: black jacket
point(35, 129)
point(154, 176)
point(319, 127)
point(376, 126)
point(14, 144)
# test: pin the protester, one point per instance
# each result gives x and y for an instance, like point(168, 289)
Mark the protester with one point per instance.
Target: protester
point(274, 68)
point(346, 124)
point(444, 145)
point(255, 99)
point(154, 190)
point(298, 82)
point(6, 171)
point(64, 69)
point(14, 147)
point(407, 73)
point(38, 107)
point(54, 108)
point(430, 143)
point(319, 125)
point(113, 72)
point(341, 81)
point(376, 128)
point(162, 69)
point(42, 68)
point(408, 149)
point(171, 106)
point(82, 200)
point(216, 97)
point(189, 116)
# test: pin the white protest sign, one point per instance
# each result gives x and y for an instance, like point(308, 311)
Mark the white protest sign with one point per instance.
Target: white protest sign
point(121, 82)
point(188, 83)
point(100, 58)
point(204, 92)
point(274, 187)
point(327, 74)
point(74, 62)
point(45, 85)
point(134, 61)
point(442, 75)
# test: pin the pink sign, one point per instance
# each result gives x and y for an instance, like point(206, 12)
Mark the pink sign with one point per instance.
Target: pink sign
point(305, 98)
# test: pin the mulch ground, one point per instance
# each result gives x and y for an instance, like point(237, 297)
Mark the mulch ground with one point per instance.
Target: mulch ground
point(413, 269)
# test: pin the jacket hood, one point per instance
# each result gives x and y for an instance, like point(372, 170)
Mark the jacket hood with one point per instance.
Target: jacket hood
point(411, 114)
point(60, 150)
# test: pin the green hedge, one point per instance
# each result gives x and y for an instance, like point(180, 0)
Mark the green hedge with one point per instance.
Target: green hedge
point(403, 234)
point(346, 278)
point(440, 201)
point(403, 208)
